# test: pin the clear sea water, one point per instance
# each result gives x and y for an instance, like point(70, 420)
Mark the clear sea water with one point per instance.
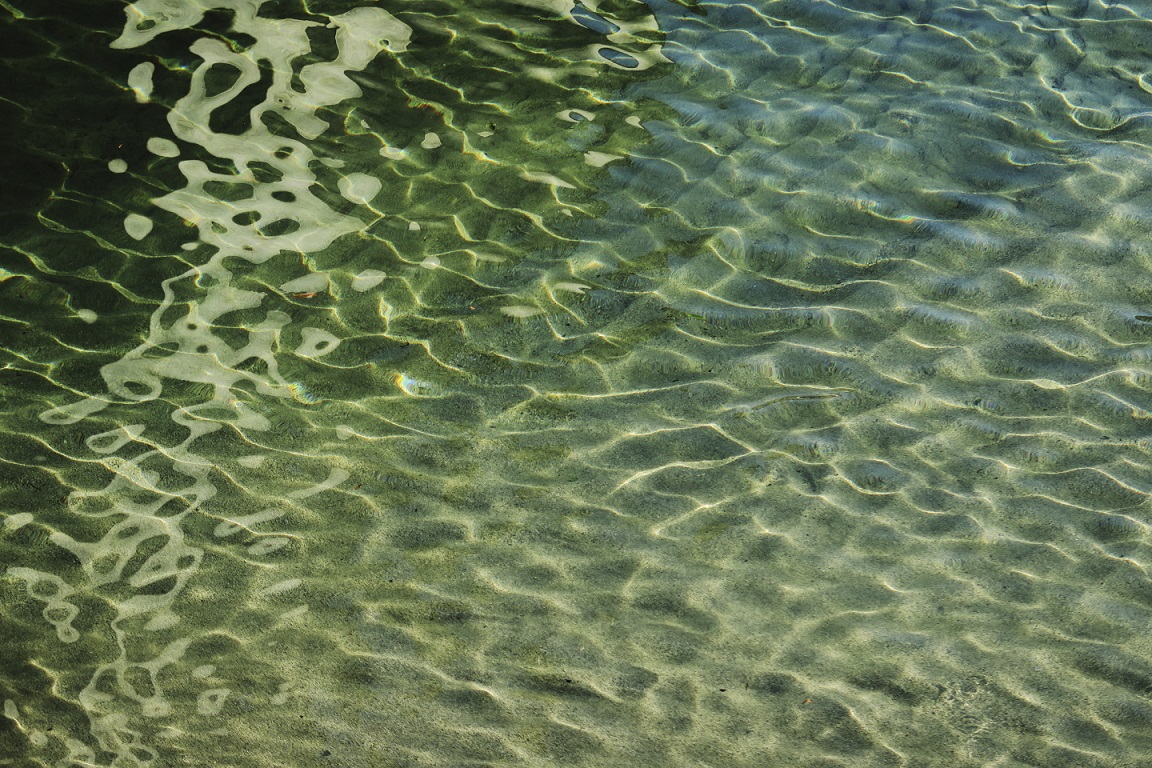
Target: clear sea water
point(522, 383)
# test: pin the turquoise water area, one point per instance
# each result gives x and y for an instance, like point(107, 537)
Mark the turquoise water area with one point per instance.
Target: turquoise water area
point(531, 383)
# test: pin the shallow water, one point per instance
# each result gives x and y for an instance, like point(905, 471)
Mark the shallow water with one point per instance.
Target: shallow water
point(534, 384)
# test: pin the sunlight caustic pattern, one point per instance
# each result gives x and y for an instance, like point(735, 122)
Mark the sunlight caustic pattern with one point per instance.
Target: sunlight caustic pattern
point(249, 197)
point(786, 403)
point(182, 345)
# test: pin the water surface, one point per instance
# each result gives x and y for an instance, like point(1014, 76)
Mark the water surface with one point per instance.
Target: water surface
point(545, 384)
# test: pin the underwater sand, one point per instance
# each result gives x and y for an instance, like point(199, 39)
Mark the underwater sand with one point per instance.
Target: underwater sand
point(537, 384)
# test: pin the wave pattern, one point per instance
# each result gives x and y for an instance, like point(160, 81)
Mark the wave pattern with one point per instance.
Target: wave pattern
point(543, 384)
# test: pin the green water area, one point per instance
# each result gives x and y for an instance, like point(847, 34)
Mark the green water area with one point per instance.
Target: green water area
point(548, 383)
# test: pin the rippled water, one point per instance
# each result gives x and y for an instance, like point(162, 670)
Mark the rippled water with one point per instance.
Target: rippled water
point(528, 383)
